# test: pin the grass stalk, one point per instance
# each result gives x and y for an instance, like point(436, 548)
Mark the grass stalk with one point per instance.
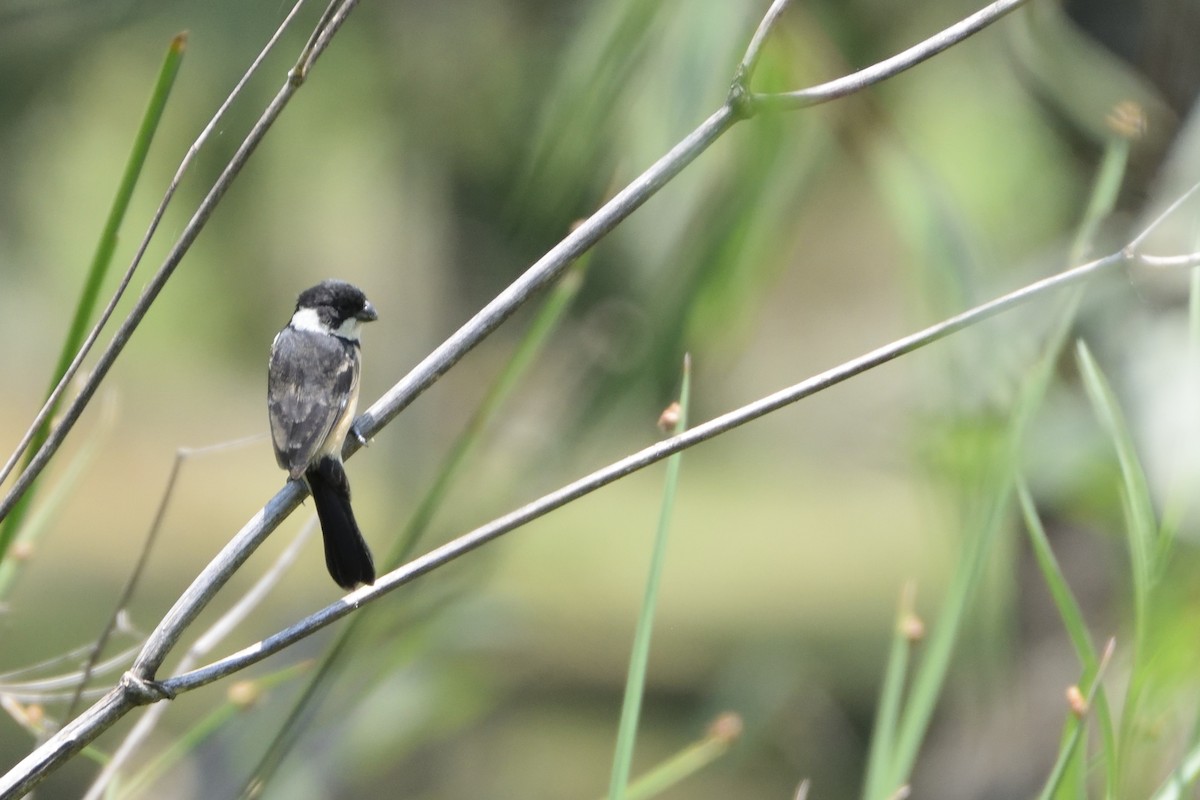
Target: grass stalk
point(895, 677)
point(930, 675)
point(721, 735)
point(1148, 546)
point(1073, 744)
point(635, 683)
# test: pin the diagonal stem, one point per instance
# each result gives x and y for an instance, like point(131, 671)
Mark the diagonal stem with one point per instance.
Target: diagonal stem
point(889, 67)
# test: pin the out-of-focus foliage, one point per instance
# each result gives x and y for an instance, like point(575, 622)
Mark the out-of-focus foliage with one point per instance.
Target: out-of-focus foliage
point(438, 149)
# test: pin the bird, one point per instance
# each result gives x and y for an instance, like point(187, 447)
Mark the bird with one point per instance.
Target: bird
point(312, 394)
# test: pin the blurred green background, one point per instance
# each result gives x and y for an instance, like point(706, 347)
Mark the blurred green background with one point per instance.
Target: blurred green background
point(435, 152)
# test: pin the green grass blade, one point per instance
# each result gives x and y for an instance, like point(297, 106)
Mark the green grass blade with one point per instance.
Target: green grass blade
point(1064, 599)
point(539, 334)
point(101, 259)
point(598, 66)
point(1141, 530)
point(721, 735)
point(1071, 755)
point(1101, 201)
point(883, 736)
point(1102, 198)
point(635, 684)
point(931, 672)
point(1147, 550)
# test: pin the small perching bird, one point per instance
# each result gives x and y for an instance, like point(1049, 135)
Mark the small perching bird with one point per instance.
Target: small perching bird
point(312, 393)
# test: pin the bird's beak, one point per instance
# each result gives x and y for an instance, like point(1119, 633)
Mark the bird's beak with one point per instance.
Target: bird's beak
point(368, 313)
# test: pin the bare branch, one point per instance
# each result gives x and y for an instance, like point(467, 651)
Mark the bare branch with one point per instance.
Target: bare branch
point(181, 455)
point(66, 742)
point(335, 14)
point(745, 70)
point(60, 684)
point(203, 645)
point(1178, 203)
point(857, 81)
point(1167, 262)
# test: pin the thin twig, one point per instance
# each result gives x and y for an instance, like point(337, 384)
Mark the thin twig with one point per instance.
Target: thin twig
point(1138, 240)
point(42, 666)
point(202, 647)
point(890, 67)
point(30, 697)
point(181, 455)
point(1169, 262)
point(331, 20)
point(750, 60)
point(65, 381)
point(60, 683)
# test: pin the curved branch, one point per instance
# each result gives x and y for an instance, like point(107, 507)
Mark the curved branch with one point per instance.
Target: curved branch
point(754, 50)
point(857, 81)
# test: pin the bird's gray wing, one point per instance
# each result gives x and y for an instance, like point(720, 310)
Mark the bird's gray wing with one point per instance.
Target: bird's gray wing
point(311, 381)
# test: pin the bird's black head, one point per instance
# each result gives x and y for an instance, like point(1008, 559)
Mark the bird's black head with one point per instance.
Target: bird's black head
point(337, 306)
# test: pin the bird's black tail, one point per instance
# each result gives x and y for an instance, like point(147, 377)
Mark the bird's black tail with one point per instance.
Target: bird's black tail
point(346, 553)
